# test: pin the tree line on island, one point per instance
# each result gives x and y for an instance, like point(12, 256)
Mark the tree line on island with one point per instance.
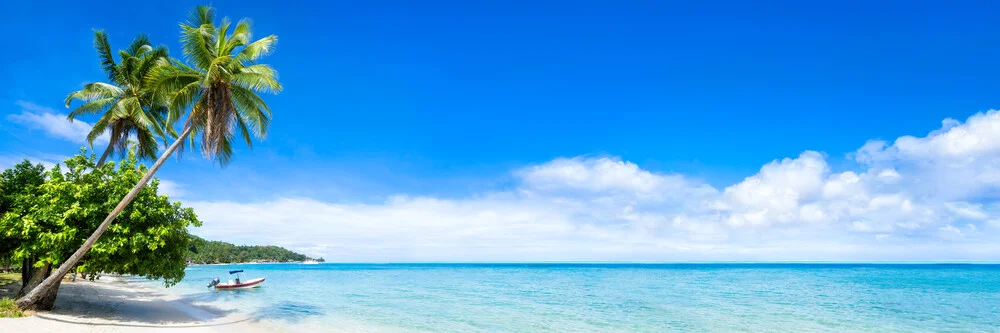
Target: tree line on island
point(203, 251)
point(100, 215)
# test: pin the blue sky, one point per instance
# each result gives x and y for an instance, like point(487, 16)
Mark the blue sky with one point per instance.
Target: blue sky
point(457, 102)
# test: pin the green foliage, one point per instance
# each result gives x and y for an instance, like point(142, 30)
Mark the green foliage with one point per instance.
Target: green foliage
point(8, 309)
point(210, 252)
point(127, 107)
point(17, 186)
point(148, 239)
point(221, 85)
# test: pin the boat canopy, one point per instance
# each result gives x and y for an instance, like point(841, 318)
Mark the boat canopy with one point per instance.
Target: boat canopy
point(236, 271)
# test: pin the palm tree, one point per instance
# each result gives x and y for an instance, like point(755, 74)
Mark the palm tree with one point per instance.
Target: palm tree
point(127, 108)
point(221, 88)
point(222, 85)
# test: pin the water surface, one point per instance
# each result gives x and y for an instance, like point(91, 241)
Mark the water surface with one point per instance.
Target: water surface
point(612, 297)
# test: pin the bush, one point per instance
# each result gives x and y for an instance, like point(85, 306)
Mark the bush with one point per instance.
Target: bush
point(8, 309)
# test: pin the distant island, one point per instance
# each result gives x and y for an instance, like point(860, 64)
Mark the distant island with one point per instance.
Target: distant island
point(203, 251)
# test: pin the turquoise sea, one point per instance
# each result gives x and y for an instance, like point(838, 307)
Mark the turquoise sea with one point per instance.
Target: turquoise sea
point(611, 297)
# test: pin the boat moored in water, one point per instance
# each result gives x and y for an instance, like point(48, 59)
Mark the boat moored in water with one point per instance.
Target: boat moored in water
point(239, 283)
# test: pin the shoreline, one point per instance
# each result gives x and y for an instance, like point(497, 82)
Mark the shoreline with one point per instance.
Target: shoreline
point(113, 304)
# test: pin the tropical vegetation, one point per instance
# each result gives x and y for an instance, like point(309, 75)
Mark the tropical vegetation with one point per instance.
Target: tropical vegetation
point(46, 225)
point(213, 94)
point(8, 309)
point(203, 251)
point(127, 107)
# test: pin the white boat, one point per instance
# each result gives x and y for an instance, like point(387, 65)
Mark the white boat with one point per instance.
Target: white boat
point(240, 283)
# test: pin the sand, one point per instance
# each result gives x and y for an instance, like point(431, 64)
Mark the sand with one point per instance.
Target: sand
point(112, 304)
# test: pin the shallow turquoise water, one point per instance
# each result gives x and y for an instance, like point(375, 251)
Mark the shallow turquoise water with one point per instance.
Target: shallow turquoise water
point(612, 297)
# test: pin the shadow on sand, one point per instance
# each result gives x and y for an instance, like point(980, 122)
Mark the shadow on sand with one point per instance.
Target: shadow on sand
point(196, 323)
point(115, 306)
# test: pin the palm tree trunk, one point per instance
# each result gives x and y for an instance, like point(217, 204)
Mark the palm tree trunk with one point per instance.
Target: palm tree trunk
point(46, 290)
point(107, 152)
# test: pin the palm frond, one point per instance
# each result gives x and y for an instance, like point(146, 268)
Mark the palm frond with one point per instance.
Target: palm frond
point(139, 45)
point(220, 38)
point(160, 127)
point(253, 98)
point(104, 52)
point(175, 85)
point(260, 78)
point(125, 72)
point(201, 15)
point(196, 45)
point(118, 135)
point(118, 110)
point(146, 145)
point(149, 60)
point(245, 131)
point(224, 150)
point(253, 113)
point(92, 107)
point(94, 91)
point(134, 112)
point(256, 50)
point(99, 128)
point(182, 99)
point(241, 34)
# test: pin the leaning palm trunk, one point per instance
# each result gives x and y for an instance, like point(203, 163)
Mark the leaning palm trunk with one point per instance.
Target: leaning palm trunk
point(107, 151)
point(43, 296)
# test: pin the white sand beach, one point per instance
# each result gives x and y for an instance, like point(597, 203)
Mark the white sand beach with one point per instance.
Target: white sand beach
point(112, 304)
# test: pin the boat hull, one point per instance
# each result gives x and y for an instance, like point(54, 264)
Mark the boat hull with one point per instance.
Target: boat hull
point(242, 285)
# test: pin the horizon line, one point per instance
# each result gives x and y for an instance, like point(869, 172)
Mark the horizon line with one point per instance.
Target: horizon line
point(643, 262)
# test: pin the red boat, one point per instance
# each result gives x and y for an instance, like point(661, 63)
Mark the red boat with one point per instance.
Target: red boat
point(240, 282)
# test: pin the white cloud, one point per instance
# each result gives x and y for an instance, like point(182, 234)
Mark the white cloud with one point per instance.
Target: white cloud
point(53, 123)
point(917, 198)
point(950, 232)
point(606, 175)
point(776, 193)
point(171, 189)
point(957, 161)
point(965, 210)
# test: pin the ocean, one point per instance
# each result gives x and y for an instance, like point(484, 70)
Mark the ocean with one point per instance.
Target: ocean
point(751, 297)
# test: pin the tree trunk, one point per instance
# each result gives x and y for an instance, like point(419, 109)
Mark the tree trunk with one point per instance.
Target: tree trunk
point(107, 151)
point(35, 276)
point(48, 297)
point(49, 286)
point(25, 270)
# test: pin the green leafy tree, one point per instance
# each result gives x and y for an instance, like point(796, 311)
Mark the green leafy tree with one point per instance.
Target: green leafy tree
point(18, 185)
point(221, 89)
point(127, 107)
point(150, 241)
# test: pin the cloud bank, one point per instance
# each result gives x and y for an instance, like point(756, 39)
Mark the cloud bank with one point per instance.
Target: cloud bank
point(916, 198)
point(53, 123)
